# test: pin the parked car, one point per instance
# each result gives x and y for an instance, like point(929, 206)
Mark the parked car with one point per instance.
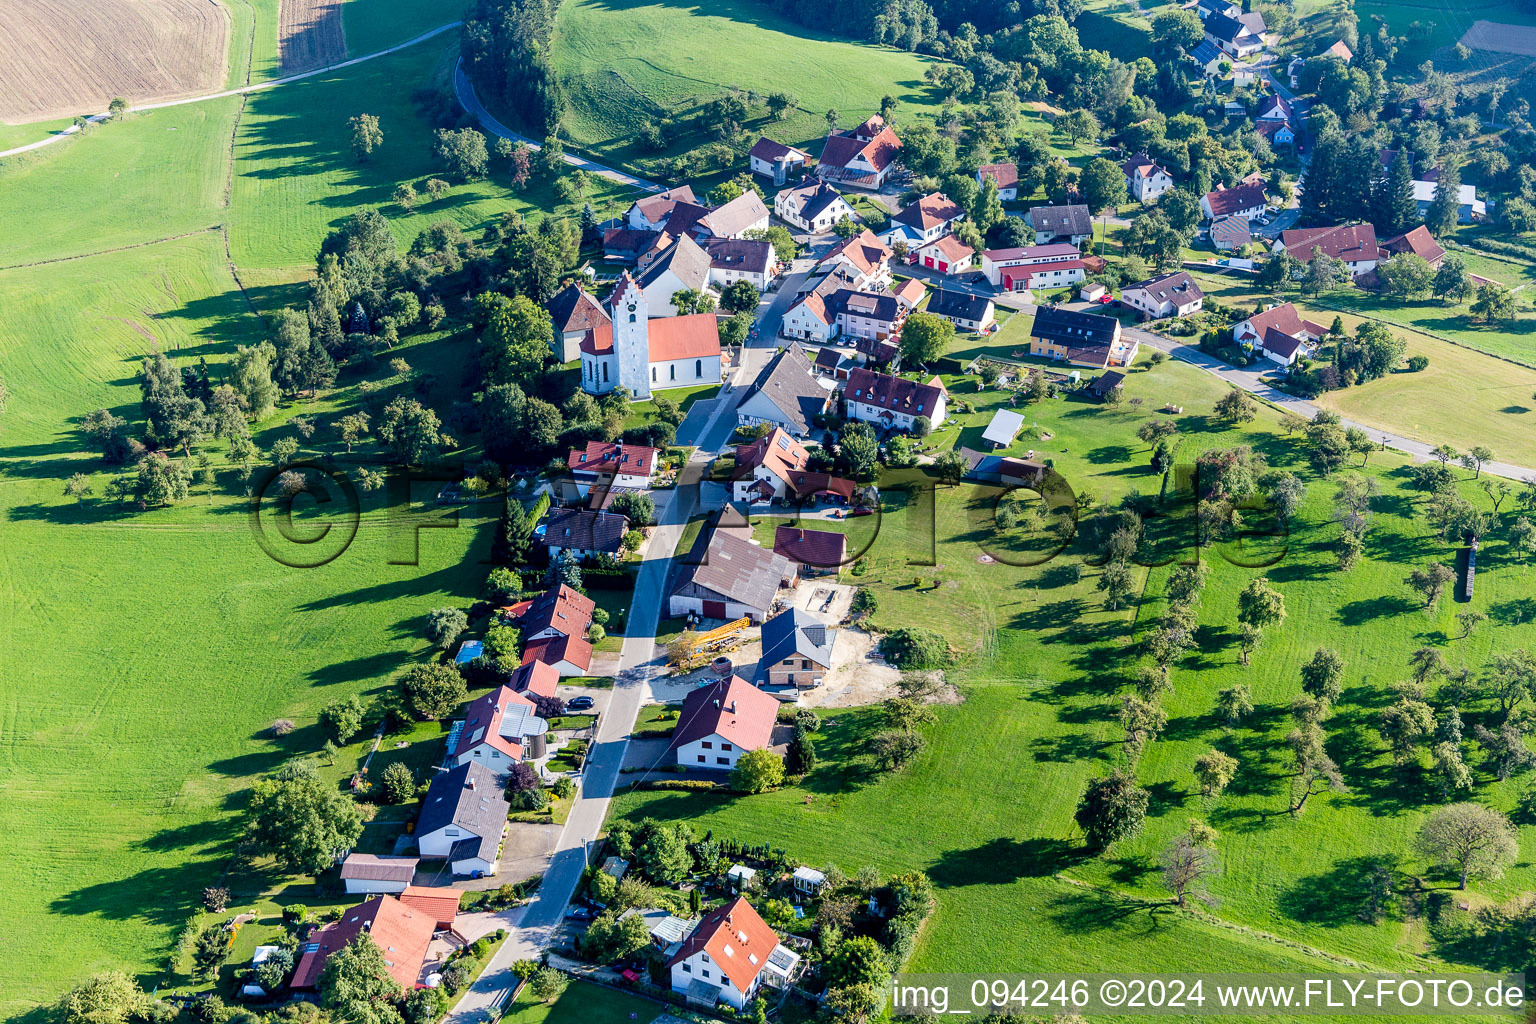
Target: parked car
point(579, 914)
point(860, 512)
point(578, 704)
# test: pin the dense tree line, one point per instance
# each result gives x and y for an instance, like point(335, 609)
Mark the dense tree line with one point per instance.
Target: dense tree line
point(506, 49)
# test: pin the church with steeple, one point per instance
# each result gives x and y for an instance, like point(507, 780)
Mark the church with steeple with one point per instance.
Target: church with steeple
point(645, 355)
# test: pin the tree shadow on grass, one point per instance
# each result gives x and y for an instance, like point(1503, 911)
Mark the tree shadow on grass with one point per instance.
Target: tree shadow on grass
point(1004, 860)
point(1078, 913)
point(1358, 613)
point(1342, 894)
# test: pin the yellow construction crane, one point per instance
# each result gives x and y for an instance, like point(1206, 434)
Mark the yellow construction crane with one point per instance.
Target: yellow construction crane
point(719, 636)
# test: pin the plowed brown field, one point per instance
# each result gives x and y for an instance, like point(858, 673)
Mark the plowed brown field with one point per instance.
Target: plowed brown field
point(62, 57)
point(309, 34)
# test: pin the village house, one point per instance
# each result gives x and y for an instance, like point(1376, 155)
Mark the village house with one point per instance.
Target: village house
point(720, 722)
point(892, 403)
point(966, 311)
point(926, 220)
point(812, 207)
point(574, 312)
point(864, 157)
point(611, 464)
point(642, 354)
point(1083, 339)
point(1244, 200)
point(1207, 58)
point(1144, 178)
point(534, 678)
point(1468, 206)
point(583, 532)
point(786, 394)
point(1174, 294)
point(463, 817)
point(500, 728)
point(729, 957)
point(797, 646)
point(403, 934)
point(813, 317)
point(1354, 244)
point(627, 245)
point(558, 611)
point(727, 577)
point(1238, 34)
point(868, 316)
point(1072, 225)
point(1275, 120)
point(735, 218)
point(866, 257)
point(650, 213)
point(1279, 333)
point(946, 254)
point(1007, 177)
point(368, 873)
point(1037, 266)
point(775, 161)
point(1230, 233)
point(740, 259)
point(774, 468)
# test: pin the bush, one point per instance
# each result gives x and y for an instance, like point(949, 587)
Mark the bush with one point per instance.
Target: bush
point(282, 727)
point(433, 691)
point(757, 771)
point(693, 784)
point(564, 788)
point(444, 625)
point(215, 898)
point(396, 784)
point(915, 648)
point(1417, 363)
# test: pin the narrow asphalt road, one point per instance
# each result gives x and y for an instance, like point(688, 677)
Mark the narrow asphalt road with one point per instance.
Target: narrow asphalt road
point(243, 90)
point(464, 90)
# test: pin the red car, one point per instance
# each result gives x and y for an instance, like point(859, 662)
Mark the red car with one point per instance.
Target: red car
point(860, 512)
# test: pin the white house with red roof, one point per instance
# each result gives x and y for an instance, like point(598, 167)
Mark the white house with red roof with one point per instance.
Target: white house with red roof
point(947, 254)
point(775, 467)
point(1145, 178)
point(499, 728)
point(866, 258)
point(1005, 174)
point(925, 220)
point(720, 722)
point(1057, 265)
point(1353, 244)
point(535, 679)
point(573, 311)
point(893, 403)
point(612, 464)
point(1245, 200)
point(646, 355)
point(558, 611)
point(863, 157)
point(775, 161)
point(729, 956)
point(1280, 334)
point(649, 213)
point(569, 655)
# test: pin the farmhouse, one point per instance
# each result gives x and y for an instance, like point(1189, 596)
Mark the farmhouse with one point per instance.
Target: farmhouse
point(574, 312)
point(583, 533)
point(462, 819)
point(730, 956)
point(1069, 224)
point(627, 245)
point(813, 207)
point(403, 934)
point(612, 464)
point(1245, 200)
point(964, 310)
point(815, 551)
point(647, 355)
point(735, 218)
point(946, 254)
point(1354, 244)
point(1003, 428)
point(929, 217)
point(786, 394)
point(367, 873)
point(1174, 294)
point(1007, 177)
point(500, 727)
point(726, 577)
point(797, 647)
point(863, 157)
point(891, 403)
point(1084, 339)
point(776, 161)
point(722, 721)
point(1036, 266)
point(1144, 178)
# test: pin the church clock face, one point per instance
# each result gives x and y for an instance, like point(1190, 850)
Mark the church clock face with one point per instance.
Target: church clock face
point(631, 307)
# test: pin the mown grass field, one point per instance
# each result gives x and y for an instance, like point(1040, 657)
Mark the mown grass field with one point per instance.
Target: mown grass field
point(987, 810)
point(147, 653)
point(624, 62)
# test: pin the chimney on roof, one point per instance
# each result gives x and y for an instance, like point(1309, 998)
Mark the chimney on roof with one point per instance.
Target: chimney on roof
point(471, 782)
